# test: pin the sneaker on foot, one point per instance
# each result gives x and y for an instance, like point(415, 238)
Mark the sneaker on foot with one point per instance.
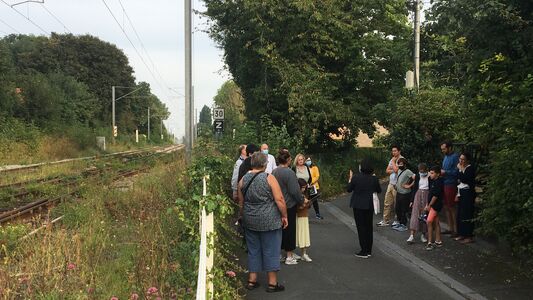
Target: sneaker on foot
point(411, 239)
point(361, 255)
point(429, 247)
point(296, 256)
point(382, 224)
point(291, 261)
point(319, 217)
point(306, 258)
point(423, 238)
point(281, 259)
point(395, 223)
point(438, 243)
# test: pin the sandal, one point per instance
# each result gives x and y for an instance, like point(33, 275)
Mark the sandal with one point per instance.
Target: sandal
point(252, 285)
point(438, 244)
point(275, 288)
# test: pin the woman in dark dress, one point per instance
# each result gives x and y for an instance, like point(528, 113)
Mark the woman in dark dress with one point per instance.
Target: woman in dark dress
point(363, 185)
point(466, 197)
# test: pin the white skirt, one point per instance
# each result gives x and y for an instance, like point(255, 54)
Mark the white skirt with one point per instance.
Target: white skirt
point(303, 239)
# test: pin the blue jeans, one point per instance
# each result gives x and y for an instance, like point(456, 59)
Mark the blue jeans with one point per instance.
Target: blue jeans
point(264, 249)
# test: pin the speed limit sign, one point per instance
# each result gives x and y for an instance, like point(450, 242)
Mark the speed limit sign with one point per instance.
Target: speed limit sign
point(218, 114)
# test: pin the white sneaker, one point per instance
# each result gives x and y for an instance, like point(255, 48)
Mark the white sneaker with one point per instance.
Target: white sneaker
point(291, 261)
point(411, 239)
point(296, 256)
point(306, 258)
point(423, 238)
point(281, 258)
point(395, 223)
point(382, 224)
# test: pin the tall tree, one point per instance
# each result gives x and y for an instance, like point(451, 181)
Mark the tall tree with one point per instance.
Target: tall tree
point(315, 65)
point(229, 97)
point(483, 48)
point(205, 115)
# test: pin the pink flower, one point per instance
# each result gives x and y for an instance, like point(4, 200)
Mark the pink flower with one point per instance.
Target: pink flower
point(134, 296)
point(113, 298)
point(158, 298)
point(189, 290)
point(231, 274)
point(71, 266)
point(90, 290)
point(152, 290)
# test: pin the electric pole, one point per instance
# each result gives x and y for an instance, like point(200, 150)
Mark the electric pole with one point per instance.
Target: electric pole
point(188, 79)
point(113, 112)
point(417, 44)
point(148, 123)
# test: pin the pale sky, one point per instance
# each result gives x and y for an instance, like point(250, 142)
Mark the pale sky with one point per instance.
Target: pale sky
point(160, 26)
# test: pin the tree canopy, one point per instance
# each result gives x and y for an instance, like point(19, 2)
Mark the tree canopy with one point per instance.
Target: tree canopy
point(66, 80)
point(313, 65)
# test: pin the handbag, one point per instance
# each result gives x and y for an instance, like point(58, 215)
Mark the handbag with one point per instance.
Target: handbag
point(376, 203)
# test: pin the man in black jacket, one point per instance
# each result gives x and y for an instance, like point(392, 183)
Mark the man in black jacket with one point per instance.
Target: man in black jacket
point(363, 185)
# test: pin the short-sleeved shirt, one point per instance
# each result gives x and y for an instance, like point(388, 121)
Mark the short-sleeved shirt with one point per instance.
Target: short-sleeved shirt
point(436, 188)
point(260, 211)
point(393, 176)
point(402, 179)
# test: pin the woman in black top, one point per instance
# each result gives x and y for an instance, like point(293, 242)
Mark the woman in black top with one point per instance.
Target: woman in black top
point(467, 190)
point(363, 185)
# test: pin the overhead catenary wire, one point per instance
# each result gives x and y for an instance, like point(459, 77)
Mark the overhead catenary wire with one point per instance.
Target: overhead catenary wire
point(55, 17)
point(142, 44)
point(131, 43)
point(11, 27)
point(25, 17)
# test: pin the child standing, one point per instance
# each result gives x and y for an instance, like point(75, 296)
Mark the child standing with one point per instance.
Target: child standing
point(420, 185)
point(303, 240)
point(436, 193)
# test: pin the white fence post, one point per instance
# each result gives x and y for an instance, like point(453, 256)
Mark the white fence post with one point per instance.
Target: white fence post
point(205, 288)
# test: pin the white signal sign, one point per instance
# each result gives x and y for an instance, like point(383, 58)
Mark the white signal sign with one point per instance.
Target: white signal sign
point(218, 114)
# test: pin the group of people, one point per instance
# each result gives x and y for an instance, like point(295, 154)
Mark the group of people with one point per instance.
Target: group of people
point(423, 195)
point(274, 196)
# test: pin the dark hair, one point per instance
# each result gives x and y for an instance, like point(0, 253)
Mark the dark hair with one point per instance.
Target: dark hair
point(435, 169)
point(402, 160)
point(467, 155)
point(397, 147)
point(366, 166)
point(302, 182)
point(447, 143)
point(423, 166)
point(283, 156)
point(251, 148)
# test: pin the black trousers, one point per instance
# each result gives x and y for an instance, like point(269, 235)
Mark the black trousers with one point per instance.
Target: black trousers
point(363, 221)
point(465, 213)
point(288, 239)
point(402, 207)
point(315, 203)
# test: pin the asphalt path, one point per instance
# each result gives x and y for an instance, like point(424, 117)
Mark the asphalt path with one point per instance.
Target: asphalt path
point(395, 270)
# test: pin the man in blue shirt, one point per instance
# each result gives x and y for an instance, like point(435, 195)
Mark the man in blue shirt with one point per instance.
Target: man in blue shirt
point(449, 173)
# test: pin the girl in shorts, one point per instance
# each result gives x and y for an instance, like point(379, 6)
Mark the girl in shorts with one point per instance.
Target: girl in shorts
point(433, 207)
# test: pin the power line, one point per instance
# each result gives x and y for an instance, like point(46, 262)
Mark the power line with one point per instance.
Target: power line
point(12, 28)
point(25, 17)
point(56, 18)
point(142, 44)
point(129, 40)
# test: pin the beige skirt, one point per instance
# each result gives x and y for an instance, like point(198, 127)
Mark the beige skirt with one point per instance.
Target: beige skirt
point(303, 239)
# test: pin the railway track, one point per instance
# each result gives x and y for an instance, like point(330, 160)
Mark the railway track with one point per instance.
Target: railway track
point(72, 185)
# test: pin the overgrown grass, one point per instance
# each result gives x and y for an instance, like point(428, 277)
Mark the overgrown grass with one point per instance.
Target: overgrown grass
point(334, 167)
point(119, 243)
